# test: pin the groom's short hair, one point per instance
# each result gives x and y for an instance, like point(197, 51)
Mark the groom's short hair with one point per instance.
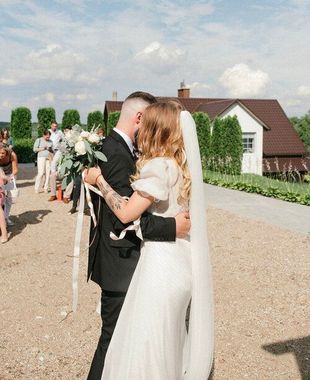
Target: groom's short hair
point(145, 96)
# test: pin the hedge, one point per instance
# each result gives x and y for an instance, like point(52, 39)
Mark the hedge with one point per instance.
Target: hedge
point(95, 119)
point(112, 121)
point(24, 150)
point(70, 118)
point(21, 123)
point(268, 190)
point(45, 117)
point(204, 135)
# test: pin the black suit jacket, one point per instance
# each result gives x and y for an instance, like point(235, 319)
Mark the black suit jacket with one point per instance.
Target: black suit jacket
point(111, 263)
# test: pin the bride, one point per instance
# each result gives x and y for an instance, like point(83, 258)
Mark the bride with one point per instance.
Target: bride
point(150, 341)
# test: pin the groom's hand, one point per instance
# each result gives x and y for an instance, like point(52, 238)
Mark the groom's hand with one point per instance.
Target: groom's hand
point(183, 224)
point(91, 175)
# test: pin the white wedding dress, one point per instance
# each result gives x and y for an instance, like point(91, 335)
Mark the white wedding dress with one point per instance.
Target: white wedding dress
point(150, 341)
point(150, 335)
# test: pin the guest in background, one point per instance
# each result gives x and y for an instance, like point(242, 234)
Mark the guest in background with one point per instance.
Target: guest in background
point(76, 196)
point(43, 146)
point(9, 164)
point(57, 137)
point(5, 138)
point(3, 230)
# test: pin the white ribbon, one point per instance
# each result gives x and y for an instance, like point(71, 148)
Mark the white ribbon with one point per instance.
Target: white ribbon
point(133, 227)
point(76, 253)
point(78, 234)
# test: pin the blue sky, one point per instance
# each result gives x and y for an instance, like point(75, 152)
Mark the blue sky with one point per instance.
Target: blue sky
point(75, 53)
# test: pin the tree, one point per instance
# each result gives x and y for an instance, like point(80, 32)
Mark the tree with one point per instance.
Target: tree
point(112, 121)
point(21, 123)
point(233, 148)
point(45, 117)
point(70, 118)
point(302, 127)
point(217, 153)
point(95, 119)
point(204, 135)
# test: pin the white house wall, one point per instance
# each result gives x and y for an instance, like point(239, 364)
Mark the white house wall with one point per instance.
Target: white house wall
point(251, 162)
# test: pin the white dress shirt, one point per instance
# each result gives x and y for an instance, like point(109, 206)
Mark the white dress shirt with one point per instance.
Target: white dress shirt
point(126, 138)
point(56, 138)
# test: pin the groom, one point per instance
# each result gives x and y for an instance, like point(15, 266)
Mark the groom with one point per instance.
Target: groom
point(112, 263)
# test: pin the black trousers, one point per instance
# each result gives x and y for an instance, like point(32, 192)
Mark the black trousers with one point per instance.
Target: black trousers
point(111, 305)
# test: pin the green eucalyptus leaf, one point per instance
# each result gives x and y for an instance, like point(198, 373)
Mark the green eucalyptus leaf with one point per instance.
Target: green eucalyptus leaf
point(100, 156)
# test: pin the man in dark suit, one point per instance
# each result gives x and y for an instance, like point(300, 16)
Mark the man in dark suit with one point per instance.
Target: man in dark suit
point(112, 262)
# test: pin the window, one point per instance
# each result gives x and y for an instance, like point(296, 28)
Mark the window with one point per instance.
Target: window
point(248, 141)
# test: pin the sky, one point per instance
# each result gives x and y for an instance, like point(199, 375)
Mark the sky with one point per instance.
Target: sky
point(75, 53)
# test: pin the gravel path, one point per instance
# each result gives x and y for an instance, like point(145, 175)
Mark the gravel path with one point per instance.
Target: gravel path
point(261, 283)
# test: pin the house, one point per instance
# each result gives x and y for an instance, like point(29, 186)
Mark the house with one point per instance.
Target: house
point(270, 143)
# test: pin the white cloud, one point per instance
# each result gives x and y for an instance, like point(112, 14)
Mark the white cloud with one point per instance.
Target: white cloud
point(241, 81)
point(50, 97)
point(160, 57)
point(198, 85)
point(75, 97)
point(303, 90)
point(6, 104)
point(177, 16)
point(7, 82)
point(292, 102)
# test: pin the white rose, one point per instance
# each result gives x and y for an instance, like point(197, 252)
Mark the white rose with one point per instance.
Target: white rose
point(72, 137)
point(85, 134)
point(79, 147)
point(94, 138)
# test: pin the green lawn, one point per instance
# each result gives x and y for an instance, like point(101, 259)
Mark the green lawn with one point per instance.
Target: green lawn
point(289, 191)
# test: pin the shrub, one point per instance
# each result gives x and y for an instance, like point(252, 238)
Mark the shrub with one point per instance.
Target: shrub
point(217, 153)
point(112, 121)
point(260, 185)
point(23, 149)
point(95, 119)
point(203, 132)
point(233, 148)
point(302, 126)
point(21, 123)
point(70, 118)
point(45, 117)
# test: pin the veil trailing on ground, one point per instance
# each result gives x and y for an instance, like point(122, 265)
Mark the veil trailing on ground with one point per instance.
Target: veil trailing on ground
point(199, 355)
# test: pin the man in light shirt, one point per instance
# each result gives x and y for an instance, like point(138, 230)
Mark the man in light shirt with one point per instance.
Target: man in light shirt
point(56, 137)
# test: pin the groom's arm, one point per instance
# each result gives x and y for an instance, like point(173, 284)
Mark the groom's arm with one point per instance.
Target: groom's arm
point(157, 228)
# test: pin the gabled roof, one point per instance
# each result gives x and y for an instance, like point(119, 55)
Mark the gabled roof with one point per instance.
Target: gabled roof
point(113, 105)
point(279, 136)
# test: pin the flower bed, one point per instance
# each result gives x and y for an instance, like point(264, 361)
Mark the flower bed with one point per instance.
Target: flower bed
point(287, 191)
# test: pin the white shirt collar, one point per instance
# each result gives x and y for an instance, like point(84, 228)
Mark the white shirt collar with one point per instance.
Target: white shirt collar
point(126, 138)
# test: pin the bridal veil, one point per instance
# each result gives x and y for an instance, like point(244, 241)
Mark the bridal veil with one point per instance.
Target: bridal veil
point(199, 351)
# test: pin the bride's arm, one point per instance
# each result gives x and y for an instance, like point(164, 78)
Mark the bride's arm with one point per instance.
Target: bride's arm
point(126, 211)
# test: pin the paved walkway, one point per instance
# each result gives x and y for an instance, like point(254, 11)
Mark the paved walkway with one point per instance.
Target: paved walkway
point(279, 213)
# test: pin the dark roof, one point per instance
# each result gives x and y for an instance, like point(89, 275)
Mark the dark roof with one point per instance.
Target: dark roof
point(284, 164)
point(113, 105)
point(279, 136)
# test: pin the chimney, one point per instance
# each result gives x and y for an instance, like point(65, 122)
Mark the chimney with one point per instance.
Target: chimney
point(114, 95)
point(183, 91)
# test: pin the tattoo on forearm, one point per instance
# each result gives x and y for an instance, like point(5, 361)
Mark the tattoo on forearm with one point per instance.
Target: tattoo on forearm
point(113, 200)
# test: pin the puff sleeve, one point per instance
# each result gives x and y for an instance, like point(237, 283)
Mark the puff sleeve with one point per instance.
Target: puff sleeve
point(155, 178)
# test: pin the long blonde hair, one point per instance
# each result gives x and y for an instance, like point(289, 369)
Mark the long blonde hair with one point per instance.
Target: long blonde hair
point(160, 136)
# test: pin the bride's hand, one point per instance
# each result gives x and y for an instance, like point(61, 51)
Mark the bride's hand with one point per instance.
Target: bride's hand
point(91, 175)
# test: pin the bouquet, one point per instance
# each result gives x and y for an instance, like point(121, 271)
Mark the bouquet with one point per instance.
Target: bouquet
point(82, 150)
